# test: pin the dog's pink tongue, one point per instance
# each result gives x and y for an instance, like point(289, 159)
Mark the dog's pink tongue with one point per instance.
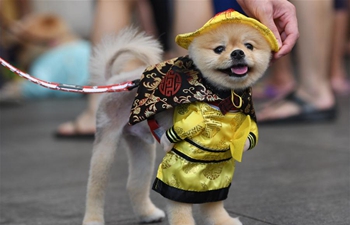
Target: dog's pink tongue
point(239, 70)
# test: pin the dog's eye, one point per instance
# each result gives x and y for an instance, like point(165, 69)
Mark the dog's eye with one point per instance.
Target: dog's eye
point(219, 49)
point(249, 46)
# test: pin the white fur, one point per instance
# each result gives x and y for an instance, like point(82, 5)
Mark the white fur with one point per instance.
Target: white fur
point(165, 143)
point(128, 39)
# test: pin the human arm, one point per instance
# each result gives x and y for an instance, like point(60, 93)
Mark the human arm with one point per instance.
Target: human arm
point(279, 16)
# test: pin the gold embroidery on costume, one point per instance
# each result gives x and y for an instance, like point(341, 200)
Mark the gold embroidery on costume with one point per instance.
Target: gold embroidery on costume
point(212, 171)
point(204, 186)
point(173, 181)
point(168, 160)
point(227, 180)
point(211, 131)
point(191, 168)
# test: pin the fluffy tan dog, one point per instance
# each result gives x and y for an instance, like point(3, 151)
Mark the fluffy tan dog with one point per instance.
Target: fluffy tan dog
point(224, 61)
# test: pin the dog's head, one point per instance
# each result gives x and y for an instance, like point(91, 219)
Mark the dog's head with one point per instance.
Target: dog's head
point(231, 56)
point(231, 50)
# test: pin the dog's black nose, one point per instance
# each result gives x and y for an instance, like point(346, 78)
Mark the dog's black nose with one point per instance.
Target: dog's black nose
point(237, 54)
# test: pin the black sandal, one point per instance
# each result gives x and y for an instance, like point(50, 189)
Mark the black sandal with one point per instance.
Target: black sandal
point(308, 113)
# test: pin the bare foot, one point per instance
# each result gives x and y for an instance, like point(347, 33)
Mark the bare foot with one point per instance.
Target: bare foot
point(83, 126)
point(340, 86)
point(294, 108)
point(11, 91)
point(278, 110)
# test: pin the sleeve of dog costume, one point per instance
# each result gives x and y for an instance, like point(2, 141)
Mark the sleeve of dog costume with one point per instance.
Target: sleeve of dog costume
point(253, 135)
point(247, 129)
point(186, 125)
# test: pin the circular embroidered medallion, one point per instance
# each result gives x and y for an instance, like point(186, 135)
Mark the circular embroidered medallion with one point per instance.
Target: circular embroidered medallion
point(170, 84)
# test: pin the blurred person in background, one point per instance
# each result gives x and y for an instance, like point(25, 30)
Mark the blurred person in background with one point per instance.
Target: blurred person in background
point(112, 16)
point(154, 16)
point(339, 79)
point(319, 57)
point(44, 44)
point(281, 80)
point(10, 11)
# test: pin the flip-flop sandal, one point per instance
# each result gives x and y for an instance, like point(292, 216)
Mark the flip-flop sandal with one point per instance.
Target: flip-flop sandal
point(7, 103)
point(76, 134)
point(308, 113)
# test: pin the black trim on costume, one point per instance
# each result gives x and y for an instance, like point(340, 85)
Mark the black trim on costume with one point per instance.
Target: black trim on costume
point(176, 135)
point(204, 149)
point(252, 139)
point(177, 152)
point(192, 197)
point(169, 136)
point(253, 135)
point(172, 135)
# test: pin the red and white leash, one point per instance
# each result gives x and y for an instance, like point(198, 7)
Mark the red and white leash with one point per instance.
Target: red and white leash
point(126, 86)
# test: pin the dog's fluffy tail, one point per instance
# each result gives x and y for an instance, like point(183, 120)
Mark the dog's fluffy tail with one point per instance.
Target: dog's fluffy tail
point(114, 51)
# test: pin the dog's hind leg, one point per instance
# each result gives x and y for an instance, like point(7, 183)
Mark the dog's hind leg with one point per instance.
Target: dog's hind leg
point(180, 213)
point(215, 213)
point(101, 161)
point(141, 152)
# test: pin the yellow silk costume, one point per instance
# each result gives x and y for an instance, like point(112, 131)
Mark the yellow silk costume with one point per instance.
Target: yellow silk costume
point(207, 143)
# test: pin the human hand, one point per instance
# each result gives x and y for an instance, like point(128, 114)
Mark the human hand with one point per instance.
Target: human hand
point(165, 143)
point(279, 16)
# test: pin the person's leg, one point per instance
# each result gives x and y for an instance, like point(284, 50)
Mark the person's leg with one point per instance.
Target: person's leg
point(339, 81)
point(198, 18)
point(314, 52)
point(315, 23)
point(110, 17)
point(145, 14)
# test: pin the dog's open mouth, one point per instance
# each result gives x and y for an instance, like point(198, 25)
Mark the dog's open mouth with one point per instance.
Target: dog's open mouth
point(238, 70)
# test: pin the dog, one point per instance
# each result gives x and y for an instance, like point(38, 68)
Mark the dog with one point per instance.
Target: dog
point(226, 57)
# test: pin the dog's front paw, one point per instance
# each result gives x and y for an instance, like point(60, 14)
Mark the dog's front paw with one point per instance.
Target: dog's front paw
point(93, 220)
point(230, 221)
point(236, 221)
point(246, 145)
point(166, 144)
point(155, 216)
point(93, 223)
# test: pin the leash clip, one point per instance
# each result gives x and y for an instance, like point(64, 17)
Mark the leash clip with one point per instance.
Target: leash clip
point(135, 84)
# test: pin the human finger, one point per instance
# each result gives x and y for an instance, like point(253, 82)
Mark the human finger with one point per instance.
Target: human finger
point(289, 38)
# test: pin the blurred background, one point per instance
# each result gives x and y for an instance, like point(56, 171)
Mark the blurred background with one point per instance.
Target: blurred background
point(299, 173)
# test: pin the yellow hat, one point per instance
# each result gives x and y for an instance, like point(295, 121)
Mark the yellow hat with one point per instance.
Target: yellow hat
point(228, 16)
